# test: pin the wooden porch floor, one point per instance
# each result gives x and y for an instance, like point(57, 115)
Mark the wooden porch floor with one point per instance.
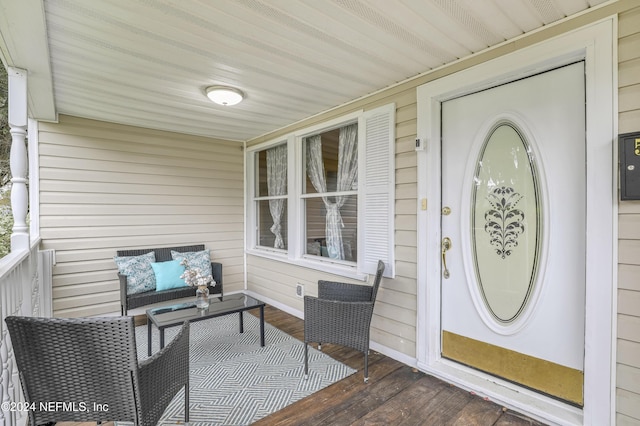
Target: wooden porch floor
point(395, 395)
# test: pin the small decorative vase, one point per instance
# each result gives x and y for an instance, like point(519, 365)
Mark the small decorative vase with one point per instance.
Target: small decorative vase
point(202, 297)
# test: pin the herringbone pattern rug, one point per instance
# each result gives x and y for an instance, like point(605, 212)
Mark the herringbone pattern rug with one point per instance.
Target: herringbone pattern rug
point(235, 381)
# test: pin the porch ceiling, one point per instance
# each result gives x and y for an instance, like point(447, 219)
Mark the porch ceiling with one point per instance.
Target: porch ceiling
point(147, 62)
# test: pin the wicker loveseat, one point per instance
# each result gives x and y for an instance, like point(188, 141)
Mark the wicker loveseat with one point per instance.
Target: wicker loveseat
point(163, 254)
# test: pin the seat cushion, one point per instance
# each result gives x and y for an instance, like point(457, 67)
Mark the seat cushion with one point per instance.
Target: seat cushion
point(140, 275)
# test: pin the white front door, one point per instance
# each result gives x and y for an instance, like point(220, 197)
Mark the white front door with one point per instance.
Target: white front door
point(532, 321)
point(513, 231)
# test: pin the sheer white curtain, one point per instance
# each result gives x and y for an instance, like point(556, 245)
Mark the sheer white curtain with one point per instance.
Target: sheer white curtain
point(277, 185)
point(347, 175)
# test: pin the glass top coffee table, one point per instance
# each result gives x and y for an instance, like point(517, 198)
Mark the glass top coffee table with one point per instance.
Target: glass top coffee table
point(174, 315)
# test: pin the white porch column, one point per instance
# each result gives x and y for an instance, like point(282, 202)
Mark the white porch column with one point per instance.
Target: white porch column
point(18, 160)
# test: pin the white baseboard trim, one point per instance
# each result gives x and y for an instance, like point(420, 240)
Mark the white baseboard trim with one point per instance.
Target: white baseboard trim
point(385, 350)
point(288, 309)
point(393, 354)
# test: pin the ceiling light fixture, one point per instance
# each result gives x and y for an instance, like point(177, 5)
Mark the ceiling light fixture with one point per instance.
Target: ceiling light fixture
point(224, 95)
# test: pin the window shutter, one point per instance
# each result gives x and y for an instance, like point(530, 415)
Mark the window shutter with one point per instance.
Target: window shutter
point(376, 150)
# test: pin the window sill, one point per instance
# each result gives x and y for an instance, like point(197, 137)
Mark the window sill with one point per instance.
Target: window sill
point(328, 266)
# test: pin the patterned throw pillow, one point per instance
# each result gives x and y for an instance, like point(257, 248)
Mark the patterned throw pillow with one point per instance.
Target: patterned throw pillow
point(140, 276)
point(195, 259)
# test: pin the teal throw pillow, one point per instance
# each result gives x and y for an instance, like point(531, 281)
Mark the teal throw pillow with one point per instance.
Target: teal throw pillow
point(195, 259)
point(168, 275)
point(140, 276)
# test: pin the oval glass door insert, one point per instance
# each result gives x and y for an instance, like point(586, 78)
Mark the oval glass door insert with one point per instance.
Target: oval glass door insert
point(506, 222)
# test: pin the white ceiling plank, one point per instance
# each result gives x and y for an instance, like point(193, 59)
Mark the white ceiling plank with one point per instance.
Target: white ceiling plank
point(547, 10)
point(155, 79)
point(521, 13)
point(489, 13)
point(307, 77)
point(570, 7)
point(446, 23)
point(322, 39)
point(147, 63)
point(423, 25)
point(376, 30)
point(481, 30)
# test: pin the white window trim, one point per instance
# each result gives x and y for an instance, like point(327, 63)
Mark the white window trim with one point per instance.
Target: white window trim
point(341, 268)
point(252, 197)
point(251, 219)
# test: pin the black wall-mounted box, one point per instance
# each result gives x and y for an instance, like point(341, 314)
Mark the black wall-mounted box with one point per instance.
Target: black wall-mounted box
point(629, 153)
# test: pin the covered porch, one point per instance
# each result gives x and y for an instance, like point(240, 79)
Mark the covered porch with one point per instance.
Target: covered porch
point(118, 147)
point(400, 395)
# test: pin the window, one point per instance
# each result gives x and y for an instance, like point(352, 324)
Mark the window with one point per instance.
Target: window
point(271, 197)
point(324, 197)
point(331, 193)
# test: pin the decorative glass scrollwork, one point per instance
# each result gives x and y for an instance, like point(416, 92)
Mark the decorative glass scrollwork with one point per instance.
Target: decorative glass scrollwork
point(504, 222)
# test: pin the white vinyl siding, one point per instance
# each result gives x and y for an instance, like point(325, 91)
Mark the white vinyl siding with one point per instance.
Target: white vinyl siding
point(105, 187)
point(628, 331)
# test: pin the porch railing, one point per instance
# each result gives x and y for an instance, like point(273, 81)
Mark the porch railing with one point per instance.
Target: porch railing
point(25, 289)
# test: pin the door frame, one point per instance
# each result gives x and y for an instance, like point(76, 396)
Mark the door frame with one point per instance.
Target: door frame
point(595, 44)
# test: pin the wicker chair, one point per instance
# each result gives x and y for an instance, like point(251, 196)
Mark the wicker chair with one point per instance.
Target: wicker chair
point(91, 365)
point(341, 314)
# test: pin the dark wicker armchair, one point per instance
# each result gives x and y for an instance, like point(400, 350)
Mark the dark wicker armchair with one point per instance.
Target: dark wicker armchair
point(88, 368)
point(341, 314)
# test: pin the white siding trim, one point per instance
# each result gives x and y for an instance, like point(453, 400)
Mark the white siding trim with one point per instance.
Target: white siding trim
point(34, 180)
point(245, 173)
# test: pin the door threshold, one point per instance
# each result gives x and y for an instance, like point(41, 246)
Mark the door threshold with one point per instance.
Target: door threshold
point(502, 392)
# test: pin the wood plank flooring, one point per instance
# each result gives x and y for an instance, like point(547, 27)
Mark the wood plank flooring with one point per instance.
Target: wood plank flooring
point(395, 395)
